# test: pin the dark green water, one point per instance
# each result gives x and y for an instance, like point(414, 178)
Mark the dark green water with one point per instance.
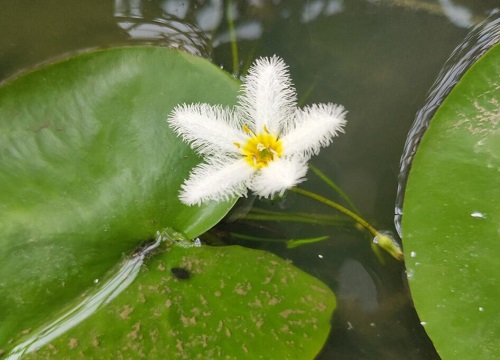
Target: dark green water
point(377, 58)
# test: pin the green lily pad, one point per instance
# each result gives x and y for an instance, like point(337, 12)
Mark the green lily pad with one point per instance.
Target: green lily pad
point(206, 303)
point(451, 221)
point(90, 169)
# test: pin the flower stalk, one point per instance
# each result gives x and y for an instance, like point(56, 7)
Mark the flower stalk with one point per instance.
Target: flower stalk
point(336, 206)
point(379, 238)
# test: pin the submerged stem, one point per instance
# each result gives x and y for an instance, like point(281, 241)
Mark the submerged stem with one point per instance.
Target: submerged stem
point(232, 35)
point(334, 186)
point(383, 240)
point(290, 243)
point(338, 207)
point(312, 218)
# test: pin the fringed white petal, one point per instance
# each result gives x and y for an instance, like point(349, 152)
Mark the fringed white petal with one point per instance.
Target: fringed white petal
point(278, 176)
point(315, 127)
point(210, 130)
point(218, 179)
point(268, 96)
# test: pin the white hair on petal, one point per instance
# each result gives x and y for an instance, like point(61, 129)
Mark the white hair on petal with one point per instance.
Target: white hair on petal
point(315, 127)
point(209, 129)
point(218, 179)
point(267, 95)
point(278, 176)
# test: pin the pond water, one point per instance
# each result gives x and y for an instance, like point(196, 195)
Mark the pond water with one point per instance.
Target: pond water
point(378, 58)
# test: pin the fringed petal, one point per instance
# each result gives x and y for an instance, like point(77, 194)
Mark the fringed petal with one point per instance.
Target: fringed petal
point(315, 127)
point(210, 130)
point(268, 97)
point(278, 176)
point(218, 179)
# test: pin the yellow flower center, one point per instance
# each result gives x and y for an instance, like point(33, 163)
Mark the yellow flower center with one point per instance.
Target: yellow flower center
point(261, 148)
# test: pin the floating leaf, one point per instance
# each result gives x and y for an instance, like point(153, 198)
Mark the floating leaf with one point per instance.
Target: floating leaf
point(451, 222)
point(90, 169)
point(206, 303)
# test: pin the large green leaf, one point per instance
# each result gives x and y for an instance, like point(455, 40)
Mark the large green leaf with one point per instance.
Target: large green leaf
point(204, 303)
point(90, 169)
point(451, 221)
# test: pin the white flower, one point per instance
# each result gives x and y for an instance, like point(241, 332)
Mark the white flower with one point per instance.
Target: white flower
point(263, 144)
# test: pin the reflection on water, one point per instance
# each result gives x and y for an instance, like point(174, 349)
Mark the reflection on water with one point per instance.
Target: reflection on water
point(458, 15)
point(250, 30)
point(165, 29)
point(356, 286)
point(36, 32)
point(462, 14)
point(481, 38)
point(315, 8)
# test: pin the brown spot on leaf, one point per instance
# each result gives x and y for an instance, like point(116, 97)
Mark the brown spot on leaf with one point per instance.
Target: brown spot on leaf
point(178, 345)
point(203, 340)
point(320, 307)
point(319, 289)
point(285, 329)
point(220, 325)
point(274, 301)
point(258, 322)
point(154, 335)
point(153, 289)
point(196, 311)
point(126, 312)
point(73, 343)
point(271, 271)
point(188, 321)
point(134, 334)
point(95, 342)
point(288, 312)
point(485, 121)
point(256, 303)
point(52, 348)
point(242, 289)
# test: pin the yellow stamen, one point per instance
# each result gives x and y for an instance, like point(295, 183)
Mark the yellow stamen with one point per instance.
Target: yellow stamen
point(261, 148)
point(247, 130)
